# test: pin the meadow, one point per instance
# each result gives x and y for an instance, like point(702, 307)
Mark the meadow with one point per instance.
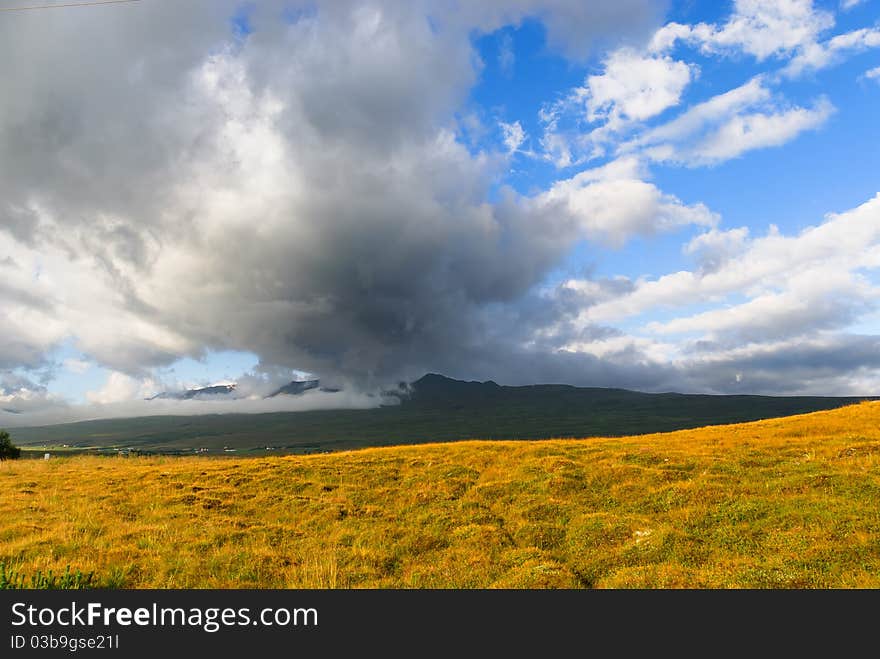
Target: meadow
point(782, 503)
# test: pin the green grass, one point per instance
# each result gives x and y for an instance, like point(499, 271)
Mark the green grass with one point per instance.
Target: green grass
point(12, 579)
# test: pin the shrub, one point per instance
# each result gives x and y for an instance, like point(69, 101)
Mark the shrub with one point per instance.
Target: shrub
point(10, 579)
point(8, 450)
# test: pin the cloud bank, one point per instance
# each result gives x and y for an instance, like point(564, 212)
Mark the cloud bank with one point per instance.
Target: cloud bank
point(173, 183)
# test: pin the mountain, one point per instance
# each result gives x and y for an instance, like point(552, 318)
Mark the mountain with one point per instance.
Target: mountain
point(433, 409)
point(188, 394)
point(292, 388)
point(296, 387)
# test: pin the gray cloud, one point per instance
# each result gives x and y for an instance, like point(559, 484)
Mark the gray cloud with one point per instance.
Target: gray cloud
point(46, 410)
point(299, 193)
point(841, 364)
point(576, 29)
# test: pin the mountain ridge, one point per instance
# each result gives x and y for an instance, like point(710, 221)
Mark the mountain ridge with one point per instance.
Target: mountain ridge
point(433, 408)
point(196, 392)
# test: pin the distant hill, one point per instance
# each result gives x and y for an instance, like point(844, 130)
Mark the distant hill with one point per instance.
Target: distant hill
point(295, 387)
point(433, 409)
point(292, 388)
point(189, 394)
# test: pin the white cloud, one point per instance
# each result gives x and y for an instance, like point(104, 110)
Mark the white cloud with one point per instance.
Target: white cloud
point(726, 126)
point(768, 314)
point(558, 149)
point(615, 210)
point(649, 351)
point(634, 87)
point(665, 39)
point(820, 298)
point(702, 117)
point(76, 366)
point(762, 28)
point(714, 248)
point(759, 130)
point(846, 5)
point(713, 111)
point(816, 56)
point(612, 204)
point(120, 387)
point(873, 74)
point(769, 270)
point(514, 135)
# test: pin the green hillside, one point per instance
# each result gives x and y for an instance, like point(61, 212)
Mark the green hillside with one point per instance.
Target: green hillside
point(439, 409)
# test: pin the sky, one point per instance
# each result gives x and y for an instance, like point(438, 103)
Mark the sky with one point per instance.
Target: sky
point(661, 196)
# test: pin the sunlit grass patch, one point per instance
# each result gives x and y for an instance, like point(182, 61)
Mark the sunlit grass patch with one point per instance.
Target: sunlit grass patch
point(783, 503)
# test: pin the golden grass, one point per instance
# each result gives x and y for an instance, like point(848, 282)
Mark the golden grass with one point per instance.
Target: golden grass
point(791, 502)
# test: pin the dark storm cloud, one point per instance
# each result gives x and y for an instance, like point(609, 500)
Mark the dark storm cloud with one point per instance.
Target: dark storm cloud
point(299, 192)
point(842, 364)
point(361, 247)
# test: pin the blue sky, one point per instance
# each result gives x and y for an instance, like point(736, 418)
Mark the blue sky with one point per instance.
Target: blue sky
point(683, 199)
point(785, 186)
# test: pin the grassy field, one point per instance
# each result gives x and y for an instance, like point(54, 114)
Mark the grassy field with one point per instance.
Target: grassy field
point(783, 503)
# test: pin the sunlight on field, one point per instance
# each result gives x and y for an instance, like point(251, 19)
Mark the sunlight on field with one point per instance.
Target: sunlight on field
point(789, 503)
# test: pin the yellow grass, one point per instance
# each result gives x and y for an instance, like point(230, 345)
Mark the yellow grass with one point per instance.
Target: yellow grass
point(792, 502)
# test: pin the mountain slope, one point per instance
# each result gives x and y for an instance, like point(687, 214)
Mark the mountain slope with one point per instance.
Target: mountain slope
point(295, 388)
point(200, 392)
point(435, 408)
